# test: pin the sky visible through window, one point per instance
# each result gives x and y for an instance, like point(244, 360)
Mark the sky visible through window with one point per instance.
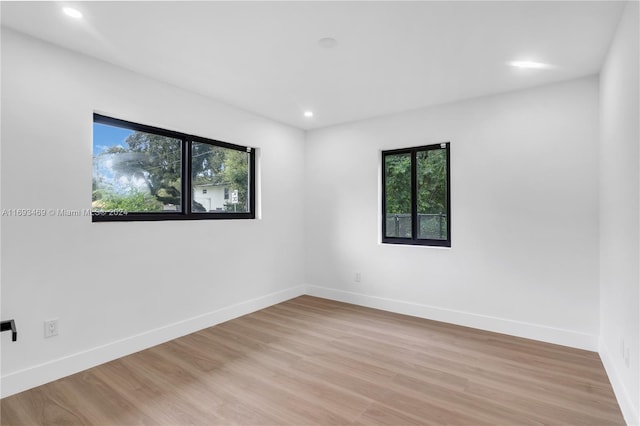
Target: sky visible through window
point(135, 171)
point(105, 136)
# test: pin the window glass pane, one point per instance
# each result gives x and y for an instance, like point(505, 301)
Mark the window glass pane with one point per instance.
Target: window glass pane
point(135, 171)
point(397, 175)
point(431, 173)
point(220, 179)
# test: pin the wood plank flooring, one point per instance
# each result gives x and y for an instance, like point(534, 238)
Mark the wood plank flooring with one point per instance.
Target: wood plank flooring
point(311, 361)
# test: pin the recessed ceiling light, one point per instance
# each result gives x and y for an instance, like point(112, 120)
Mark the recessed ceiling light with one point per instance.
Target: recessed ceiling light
point(530, 65)
point(328, 42)
point(74, 13)
point(308, 114)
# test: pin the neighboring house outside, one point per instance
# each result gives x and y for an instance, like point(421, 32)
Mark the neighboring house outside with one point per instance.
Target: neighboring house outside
point(211, 196)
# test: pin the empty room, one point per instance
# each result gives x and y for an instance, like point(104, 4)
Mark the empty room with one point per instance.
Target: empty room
point(320, 213)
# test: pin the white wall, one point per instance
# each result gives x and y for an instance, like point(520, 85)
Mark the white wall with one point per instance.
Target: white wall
point(524, 259)
point(119, 287)
point(524, 255)
point(619, 214)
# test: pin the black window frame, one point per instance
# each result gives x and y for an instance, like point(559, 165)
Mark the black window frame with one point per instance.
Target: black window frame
point(414, 240)
point(186, 180)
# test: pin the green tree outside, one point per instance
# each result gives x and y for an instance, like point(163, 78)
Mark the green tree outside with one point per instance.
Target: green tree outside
point(431, 191)
point(154, 164)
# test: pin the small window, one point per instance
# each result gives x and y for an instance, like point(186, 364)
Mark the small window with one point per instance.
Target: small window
point(416, 196)
point(146, 173)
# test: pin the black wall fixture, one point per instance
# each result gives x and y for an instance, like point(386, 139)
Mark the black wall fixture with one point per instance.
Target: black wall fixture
point(10, 325)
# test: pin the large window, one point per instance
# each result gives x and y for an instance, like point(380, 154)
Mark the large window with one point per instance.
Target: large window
point(416, 195)
point(146, 173)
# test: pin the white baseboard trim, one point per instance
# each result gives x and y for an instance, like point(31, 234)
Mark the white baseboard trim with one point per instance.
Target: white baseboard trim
point(37, 375)
point(631, 415)
point(542, 333)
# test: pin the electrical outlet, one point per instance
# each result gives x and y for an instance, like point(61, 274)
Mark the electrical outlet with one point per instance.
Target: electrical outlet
point(358, 277)
point(51, 328)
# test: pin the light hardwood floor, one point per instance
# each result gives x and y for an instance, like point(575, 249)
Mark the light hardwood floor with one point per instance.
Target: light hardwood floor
point(314, 361)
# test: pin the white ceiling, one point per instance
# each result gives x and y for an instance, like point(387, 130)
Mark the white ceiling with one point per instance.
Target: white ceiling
point(264, 57)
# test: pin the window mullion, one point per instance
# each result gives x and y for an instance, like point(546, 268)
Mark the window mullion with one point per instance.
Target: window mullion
point(414, 195)
point(186, 176)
